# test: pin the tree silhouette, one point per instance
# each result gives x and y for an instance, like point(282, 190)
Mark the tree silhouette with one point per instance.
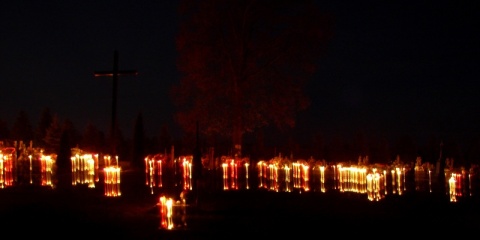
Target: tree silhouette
point(138, 143)
point(22, 129)
point(52, 136)
point(73, 135)
point(165, 139)
point(4, 131)
point(93, 140)
point(121, 148)
point(406, 147)
point(244, 64)
point(63, 163)
point(44, 123)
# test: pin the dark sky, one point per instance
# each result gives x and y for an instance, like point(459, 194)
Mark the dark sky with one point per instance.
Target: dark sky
point(50, 49)
point(392, 67)
point(399, 68)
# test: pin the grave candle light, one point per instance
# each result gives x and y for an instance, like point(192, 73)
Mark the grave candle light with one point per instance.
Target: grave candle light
point(296, 175)
point(287, 170)
point(112, 181)
point(95, 158)
point(159, 173)
point(2, 185)
point(46, 170)
point(459, 180)
point(84, 169)
point(370, 187)
point(334, 177)
point(340, 178)
point(234, 174)
point(154, 165)
point(361, 180)
point(399, 180)
point(82, 172)
point(74, 172)
point(31, 168)
point(91, 172)
point(394, 191)
point(430, 179)
point(260, 173)
point(148, 172)
point(151, 178)
point(6, 170)
point(385, 180)
point(272, 176)
point(166, 205)
point(451, 185)
point(470, 183)
point(305, 177)
point(225, 176)
point(187, 173)
point(246, 176)
point(322, 179)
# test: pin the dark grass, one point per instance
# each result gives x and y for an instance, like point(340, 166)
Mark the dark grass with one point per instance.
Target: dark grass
point(81, 212)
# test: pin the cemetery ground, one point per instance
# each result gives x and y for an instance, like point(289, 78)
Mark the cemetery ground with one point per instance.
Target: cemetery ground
point(82, 212)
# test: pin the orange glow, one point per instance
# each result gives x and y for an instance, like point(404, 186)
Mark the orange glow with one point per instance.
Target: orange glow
point(47, 163)
point(235, 173)
point(7, 157)
point(84, 168)
point(172, 213)
point(452, 188)
point(112, 181)
point(353, 179)
point(187, 172)
point(154, 168)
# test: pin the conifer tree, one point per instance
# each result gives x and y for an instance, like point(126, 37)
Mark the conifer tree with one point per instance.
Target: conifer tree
point(22, 128)
point(93, 140)
point(73, 136)
point(52, 136)
point(44, 123)
point(138, 143)
point(4, 131)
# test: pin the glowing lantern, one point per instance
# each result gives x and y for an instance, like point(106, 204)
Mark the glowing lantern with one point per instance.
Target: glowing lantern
point(112, 181)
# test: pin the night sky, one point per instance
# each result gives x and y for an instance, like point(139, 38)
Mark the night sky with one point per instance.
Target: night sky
point(391, 68)
point(50, 50)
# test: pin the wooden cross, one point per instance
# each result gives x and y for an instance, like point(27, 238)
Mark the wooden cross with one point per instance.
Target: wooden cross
point(114, 74)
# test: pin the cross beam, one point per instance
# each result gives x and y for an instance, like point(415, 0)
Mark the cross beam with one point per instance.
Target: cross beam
point(114, 74)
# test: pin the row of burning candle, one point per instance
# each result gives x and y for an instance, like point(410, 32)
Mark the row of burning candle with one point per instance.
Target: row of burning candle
point(235, 172)
point(272, 175)
point(85, 170)
point(7, 169)
point(301, 176)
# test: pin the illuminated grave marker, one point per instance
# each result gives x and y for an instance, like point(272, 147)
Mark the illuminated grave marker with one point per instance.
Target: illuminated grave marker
point(47, 163)
point(6, 167)
point(235, 173)
point(112, 181)
point(154, 171)
point(172, 214)
point(84, 169)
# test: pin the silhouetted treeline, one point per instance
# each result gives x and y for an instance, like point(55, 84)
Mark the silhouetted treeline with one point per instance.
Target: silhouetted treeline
point(55, 135)
point(51, 133)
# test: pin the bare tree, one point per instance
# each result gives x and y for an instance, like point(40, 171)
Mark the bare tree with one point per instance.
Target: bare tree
point(245, 64)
